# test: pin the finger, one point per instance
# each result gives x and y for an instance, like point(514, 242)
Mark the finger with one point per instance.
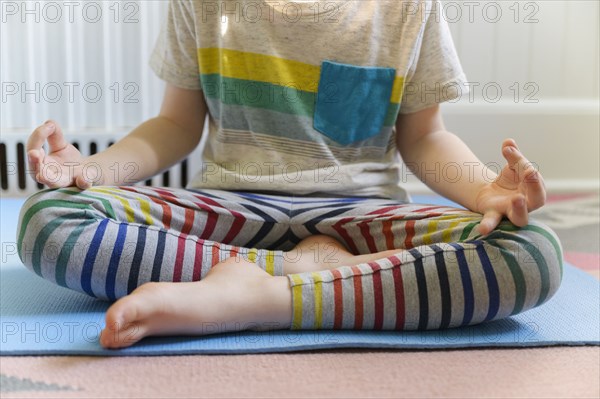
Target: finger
point(510, 142)
point(533, 186)
point(49, 174)
point(47, 178)
point(490, 221)
point(82, 183)
point(56, 140)
point(35, 156)
point(517, 162)
point(535, 189)
point(50, 131)
point(40, 134)
point(517, 212)
point(35, 159)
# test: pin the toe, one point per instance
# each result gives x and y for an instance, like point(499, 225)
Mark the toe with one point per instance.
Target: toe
point(126, 319)
point(123, 337)
point(121, 313)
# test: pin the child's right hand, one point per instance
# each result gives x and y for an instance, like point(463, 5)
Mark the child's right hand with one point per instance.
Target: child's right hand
point(62, 166)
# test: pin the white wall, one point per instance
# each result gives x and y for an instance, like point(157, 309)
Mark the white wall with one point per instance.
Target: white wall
point(85, 65)
point(548, 51)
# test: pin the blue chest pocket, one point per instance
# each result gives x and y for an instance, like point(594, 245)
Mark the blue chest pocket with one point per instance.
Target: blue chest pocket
point(352, 101)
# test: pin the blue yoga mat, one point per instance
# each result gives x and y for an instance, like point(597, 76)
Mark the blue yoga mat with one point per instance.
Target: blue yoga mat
point(39, 318)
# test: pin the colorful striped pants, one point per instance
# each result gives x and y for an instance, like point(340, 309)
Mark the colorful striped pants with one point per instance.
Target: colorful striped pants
point(106, 241)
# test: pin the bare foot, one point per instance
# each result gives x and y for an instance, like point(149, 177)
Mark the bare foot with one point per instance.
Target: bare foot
point(235, 295)
point(322, 252)
point(314, 253)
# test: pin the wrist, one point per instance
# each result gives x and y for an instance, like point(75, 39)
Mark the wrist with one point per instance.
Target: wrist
point(92, 171)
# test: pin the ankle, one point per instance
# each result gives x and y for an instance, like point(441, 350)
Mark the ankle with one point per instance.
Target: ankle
point(278, 302)
point(292, 262)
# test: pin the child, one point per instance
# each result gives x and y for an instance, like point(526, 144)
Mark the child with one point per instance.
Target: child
point(296, 219)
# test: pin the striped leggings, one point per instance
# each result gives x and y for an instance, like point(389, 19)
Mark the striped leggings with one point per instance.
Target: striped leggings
point(106, 241)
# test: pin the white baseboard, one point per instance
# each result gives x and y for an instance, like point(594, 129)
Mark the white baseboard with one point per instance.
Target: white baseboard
point(545, 106)
point(562, 136)
point(556, 186)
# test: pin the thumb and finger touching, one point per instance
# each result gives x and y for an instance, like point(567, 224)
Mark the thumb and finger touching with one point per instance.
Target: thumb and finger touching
point(44, 170)
point(529, 191)
point(529, 181)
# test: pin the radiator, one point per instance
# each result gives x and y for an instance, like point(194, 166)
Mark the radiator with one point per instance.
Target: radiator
point(542, 56)
point(15, 176)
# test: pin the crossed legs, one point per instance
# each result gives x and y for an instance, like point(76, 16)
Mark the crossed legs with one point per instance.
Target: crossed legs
point(235, 295)
point(183, 262)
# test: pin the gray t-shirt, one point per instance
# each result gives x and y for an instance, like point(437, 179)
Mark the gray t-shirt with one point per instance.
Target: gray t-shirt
point(303, 95)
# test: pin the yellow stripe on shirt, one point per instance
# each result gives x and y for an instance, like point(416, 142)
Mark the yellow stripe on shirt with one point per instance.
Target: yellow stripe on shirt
point(269, 69)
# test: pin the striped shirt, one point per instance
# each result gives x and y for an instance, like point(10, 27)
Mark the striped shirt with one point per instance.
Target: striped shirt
point(303, 96)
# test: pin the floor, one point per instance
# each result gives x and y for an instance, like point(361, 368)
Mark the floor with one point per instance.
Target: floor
point(549, 372)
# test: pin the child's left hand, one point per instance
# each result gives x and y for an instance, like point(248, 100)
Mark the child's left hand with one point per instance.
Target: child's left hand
point(518, 190)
